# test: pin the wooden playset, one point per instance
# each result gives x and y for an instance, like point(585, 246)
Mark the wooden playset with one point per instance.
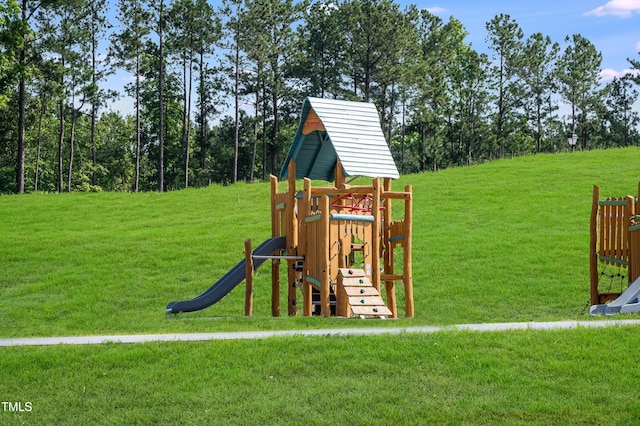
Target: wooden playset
point(614, 245)
point(330, 230)
point(342, 243)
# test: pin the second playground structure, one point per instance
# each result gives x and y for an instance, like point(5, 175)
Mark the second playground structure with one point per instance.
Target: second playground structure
point(342, 243)
point(615, 251)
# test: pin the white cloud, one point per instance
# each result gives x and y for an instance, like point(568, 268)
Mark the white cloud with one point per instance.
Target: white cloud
point(609, 74)
point(621, 8)
point(435, 9)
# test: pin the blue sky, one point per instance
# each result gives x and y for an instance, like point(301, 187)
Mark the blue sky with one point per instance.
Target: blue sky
point(612, 26)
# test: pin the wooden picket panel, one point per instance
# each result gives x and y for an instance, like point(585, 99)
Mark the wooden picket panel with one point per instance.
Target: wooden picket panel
point(614, 221)
point(614, 240)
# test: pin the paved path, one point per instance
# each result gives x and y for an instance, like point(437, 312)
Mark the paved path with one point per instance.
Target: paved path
point(138, 338)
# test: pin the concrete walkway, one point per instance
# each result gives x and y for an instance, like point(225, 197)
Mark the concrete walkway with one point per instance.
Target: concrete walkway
point(139, 338)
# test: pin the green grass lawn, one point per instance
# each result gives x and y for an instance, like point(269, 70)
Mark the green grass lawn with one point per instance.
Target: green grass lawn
point(569, 377)
point(504, 241)
point(500, 242)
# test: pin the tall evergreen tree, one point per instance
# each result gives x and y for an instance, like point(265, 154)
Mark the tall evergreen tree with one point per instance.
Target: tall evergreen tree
point(10, 43)
point(160, 27)
point(234, 11)
point(192, 31)
point(127, 51)
point(623, 120)
point(207, 33)
point(578, 71)
point(535, 71)
point(321, 63)
point(504, 40)
point(469, 95)
point(373, 30)
point(67, 41)
point(97, 26)
point(439, 44)
point(23, 42)
point(272, 43)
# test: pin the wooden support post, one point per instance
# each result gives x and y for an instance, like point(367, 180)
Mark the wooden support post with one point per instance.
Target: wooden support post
point(338, 176)
point(593, 247)
point(303, 249)
point(325, 304)
point(389, 285)
point(307, 299)
point(634, 252)
point(292, 223)
point(275, 288)
point(342, 299)
point(376, 235)
point(304, 209)
point(275, 222)
point(634, 241)
point(248, 296)
point(275, 265)
point(629, 213)
point(408, 246)
point(292, 237)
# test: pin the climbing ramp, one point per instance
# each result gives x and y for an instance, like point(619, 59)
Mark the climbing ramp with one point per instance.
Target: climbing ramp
point(356, 295)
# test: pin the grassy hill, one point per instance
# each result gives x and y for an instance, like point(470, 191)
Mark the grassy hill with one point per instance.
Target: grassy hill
point(505, 241)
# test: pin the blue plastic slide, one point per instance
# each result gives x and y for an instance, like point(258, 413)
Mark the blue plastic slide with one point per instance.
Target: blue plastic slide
point(229, 281)
point(627, 303)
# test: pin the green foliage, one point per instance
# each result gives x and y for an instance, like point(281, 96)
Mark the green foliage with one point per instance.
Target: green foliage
point(12, 32)
point(451, 105)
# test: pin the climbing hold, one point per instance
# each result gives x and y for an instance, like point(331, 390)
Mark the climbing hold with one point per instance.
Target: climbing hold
point(294, 302)
point(350, 271)
point(361, 281)
point(361, 300)
point(375, 309)
point(362, 291)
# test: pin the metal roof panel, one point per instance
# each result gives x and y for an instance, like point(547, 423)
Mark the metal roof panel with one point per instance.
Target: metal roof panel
point(354, 133)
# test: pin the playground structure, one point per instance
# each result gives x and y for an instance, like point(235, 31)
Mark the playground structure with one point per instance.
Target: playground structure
point(341, 243)
point(615, 245)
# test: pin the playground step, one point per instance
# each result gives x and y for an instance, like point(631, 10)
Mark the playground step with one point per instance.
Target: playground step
point(361, 291)
point(371, 311)
point(366, 301)
point(356, 282)
point(359, 295)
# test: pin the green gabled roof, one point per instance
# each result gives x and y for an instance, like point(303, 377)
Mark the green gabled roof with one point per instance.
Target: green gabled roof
point(336, 129)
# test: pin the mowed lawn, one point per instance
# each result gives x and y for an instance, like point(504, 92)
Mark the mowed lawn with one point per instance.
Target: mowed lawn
point(499, 242)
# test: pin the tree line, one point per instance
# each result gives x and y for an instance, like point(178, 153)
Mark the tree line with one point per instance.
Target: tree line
point(217, 90)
